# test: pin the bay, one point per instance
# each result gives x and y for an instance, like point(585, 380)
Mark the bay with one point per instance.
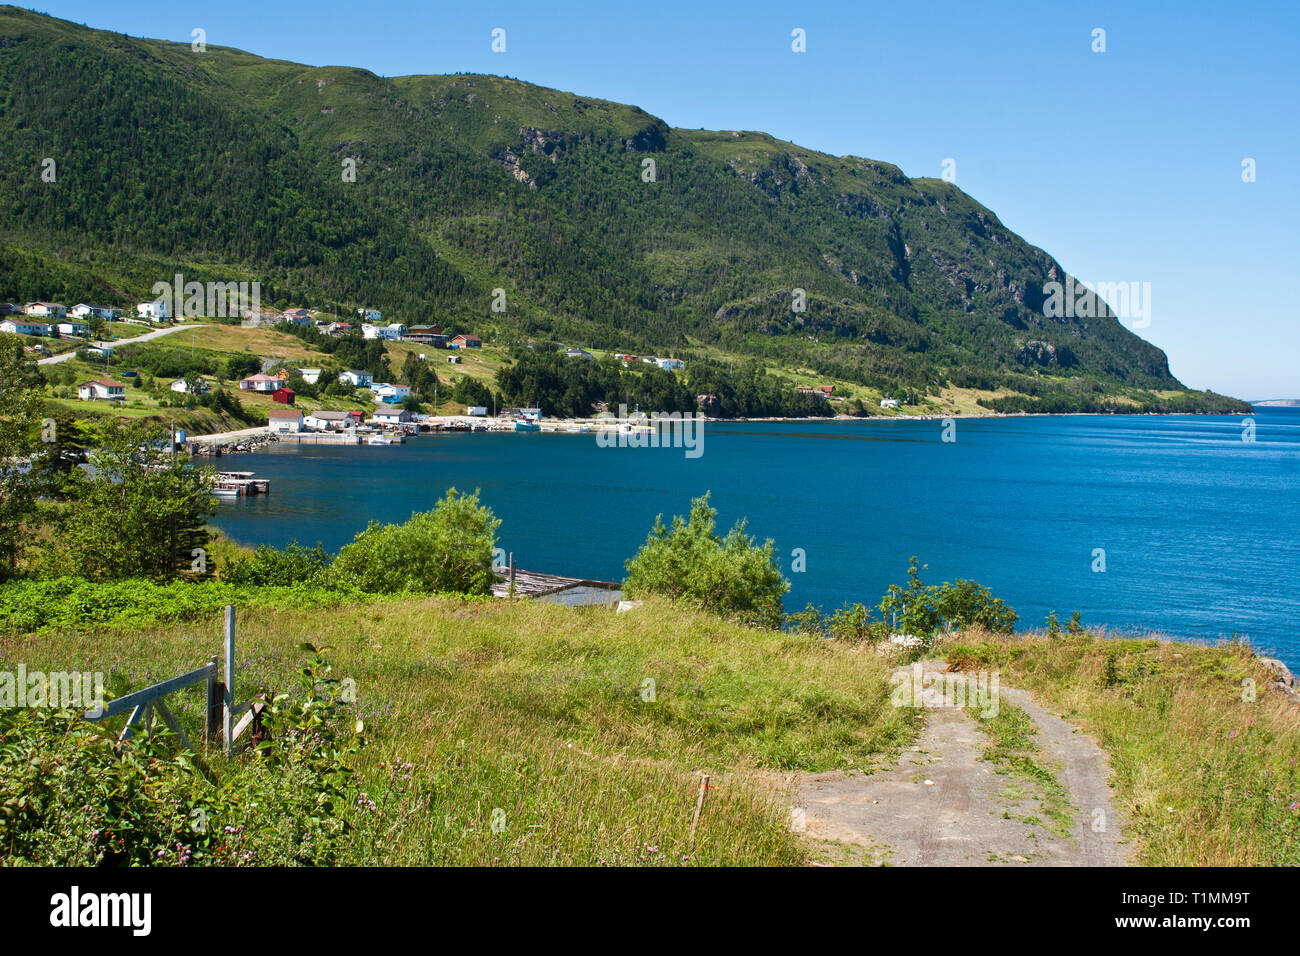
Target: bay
point(1199, 530)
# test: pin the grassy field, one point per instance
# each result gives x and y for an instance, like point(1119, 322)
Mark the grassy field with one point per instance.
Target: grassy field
point(546, 714)
point(1204, 769)
point(523, 733)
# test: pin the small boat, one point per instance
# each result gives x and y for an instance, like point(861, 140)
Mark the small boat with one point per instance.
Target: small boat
point(222, 491)
point(379, 440)
point(527, 427)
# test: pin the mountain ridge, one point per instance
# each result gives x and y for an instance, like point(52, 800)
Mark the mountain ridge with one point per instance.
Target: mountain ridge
point(225, 165)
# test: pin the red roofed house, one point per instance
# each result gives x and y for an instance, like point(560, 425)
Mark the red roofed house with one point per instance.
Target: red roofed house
point(284, 396)
point(467, 342)
point(103, 389)
point(284, 420)
point(259, 383)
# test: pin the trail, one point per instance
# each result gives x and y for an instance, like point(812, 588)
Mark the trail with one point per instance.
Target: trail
point(143, 337)
point(942, 805)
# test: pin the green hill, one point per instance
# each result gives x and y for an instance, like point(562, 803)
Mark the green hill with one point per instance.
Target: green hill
point(226, 166)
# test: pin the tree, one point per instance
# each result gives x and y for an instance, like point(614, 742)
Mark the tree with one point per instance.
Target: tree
point(242, 365)
point(141, 513)
point(21, 431)
point(730, 575)
point(446, 549)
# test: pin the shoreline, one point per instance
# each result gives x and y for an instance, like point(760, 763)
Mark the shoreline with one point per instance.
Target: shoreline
point(557, 423)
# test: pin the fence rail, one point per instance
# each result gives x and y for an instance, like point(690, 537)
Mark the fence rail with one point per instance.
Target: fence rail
point(221, 708)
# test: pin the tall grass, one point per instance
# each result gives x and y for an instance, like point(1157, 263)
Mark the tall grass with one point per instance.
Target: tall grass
point(1206, 776)
point(522, 733)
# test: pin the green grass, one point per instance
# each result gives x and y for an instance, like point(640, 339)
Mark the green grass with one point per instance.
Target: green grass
point(1205, 775)
point(540, 711)
point(1013, 750)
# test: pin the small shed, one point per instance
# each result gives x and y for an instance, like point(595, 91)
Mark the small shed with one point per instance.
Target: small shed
point(284, 396)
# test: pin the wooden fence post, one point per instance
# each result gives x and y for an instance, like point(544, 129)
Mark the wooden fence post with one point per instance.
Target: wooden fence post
point(228, 709)
point(212, 718)
point(699, 805)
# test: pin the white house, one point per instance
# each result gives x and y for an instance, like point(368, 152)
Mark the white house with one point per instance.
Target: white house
point(389, 332)
point(323, 421)
point(391, 416)
point(359, 379)
point(260, 383)
point(83, 311)
point(284, 420)
point(72, 328)
point(670, 365)
point(297, 317)
point(889, 403)
point(310, 375)
point(49, 310)
point(373, 316)
point(477, 410)
point(155, 311)
point(577, 353)
point(99, 351)
point(391, 394)
point(104, 389)
point(18, 327)
point(200, 387)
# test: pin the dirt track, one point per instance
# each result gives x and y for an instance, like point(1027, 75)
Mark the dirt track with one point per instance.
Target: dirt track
point(941, 804)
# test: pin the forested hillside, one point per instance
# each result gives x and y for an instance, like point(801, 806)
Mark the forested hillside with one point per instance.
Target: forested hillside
point(227, 166)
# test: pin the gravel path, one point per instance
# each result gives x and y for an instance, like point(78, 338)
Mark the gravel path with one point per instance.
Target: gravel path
point(941, 804)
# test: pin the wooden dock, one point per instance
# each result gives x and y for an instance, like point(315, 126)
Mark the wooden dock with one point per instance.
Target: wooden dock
point(555, 588)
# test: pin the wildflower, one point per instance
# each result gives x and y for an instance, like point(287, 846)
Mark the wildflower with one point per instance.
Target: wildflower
point(1295, 806)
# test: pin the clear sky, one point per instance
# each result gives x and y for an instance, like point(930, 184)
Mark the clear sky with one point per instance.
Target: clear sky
point(1125, 165)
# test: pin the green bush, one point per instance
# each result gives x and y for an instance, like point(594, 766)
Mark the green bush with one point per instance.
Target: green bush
point(730, 576)
point(967, 604)
point(69, 798)
point(286, 567)
point(448, 549)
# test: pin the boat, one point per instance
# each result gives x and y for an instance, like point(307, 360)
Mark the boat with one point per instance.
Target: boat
point(379, 440)
point(527, 427)
point(233, 484)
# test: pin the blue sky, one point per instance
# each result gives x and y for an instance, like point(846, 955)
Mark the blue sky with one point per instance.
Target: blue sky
point(1125, 165)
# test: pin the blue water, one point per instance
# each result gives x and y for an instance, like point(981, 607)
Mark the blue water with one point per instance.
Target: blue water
point(1201, 530)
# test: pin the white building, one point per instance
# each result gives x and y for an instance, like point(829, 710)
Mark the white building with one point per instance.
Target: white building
point(310, 375)
point(889, 403)
point(155, 311)
point(477, 410)
point(670, 365)
point(72, 328)
point(199, 388)
point(389, 332)
point(323, 421)
point(391, 394)
point(19, 327)
point(49, 310)
point(104, 389)
point(372, 316)
point(284, 420)
point(359, 379)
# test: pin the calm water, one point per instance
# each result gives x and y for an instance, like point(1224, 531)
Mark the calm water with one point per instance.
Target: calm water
point(1201, 530)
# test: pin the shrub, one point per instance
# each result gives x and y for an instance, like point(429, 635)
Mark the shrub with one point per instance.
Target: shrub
point(294, 564)
point(447, 549)
point(69, 798)
point(967, 605)
point(731, 576)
